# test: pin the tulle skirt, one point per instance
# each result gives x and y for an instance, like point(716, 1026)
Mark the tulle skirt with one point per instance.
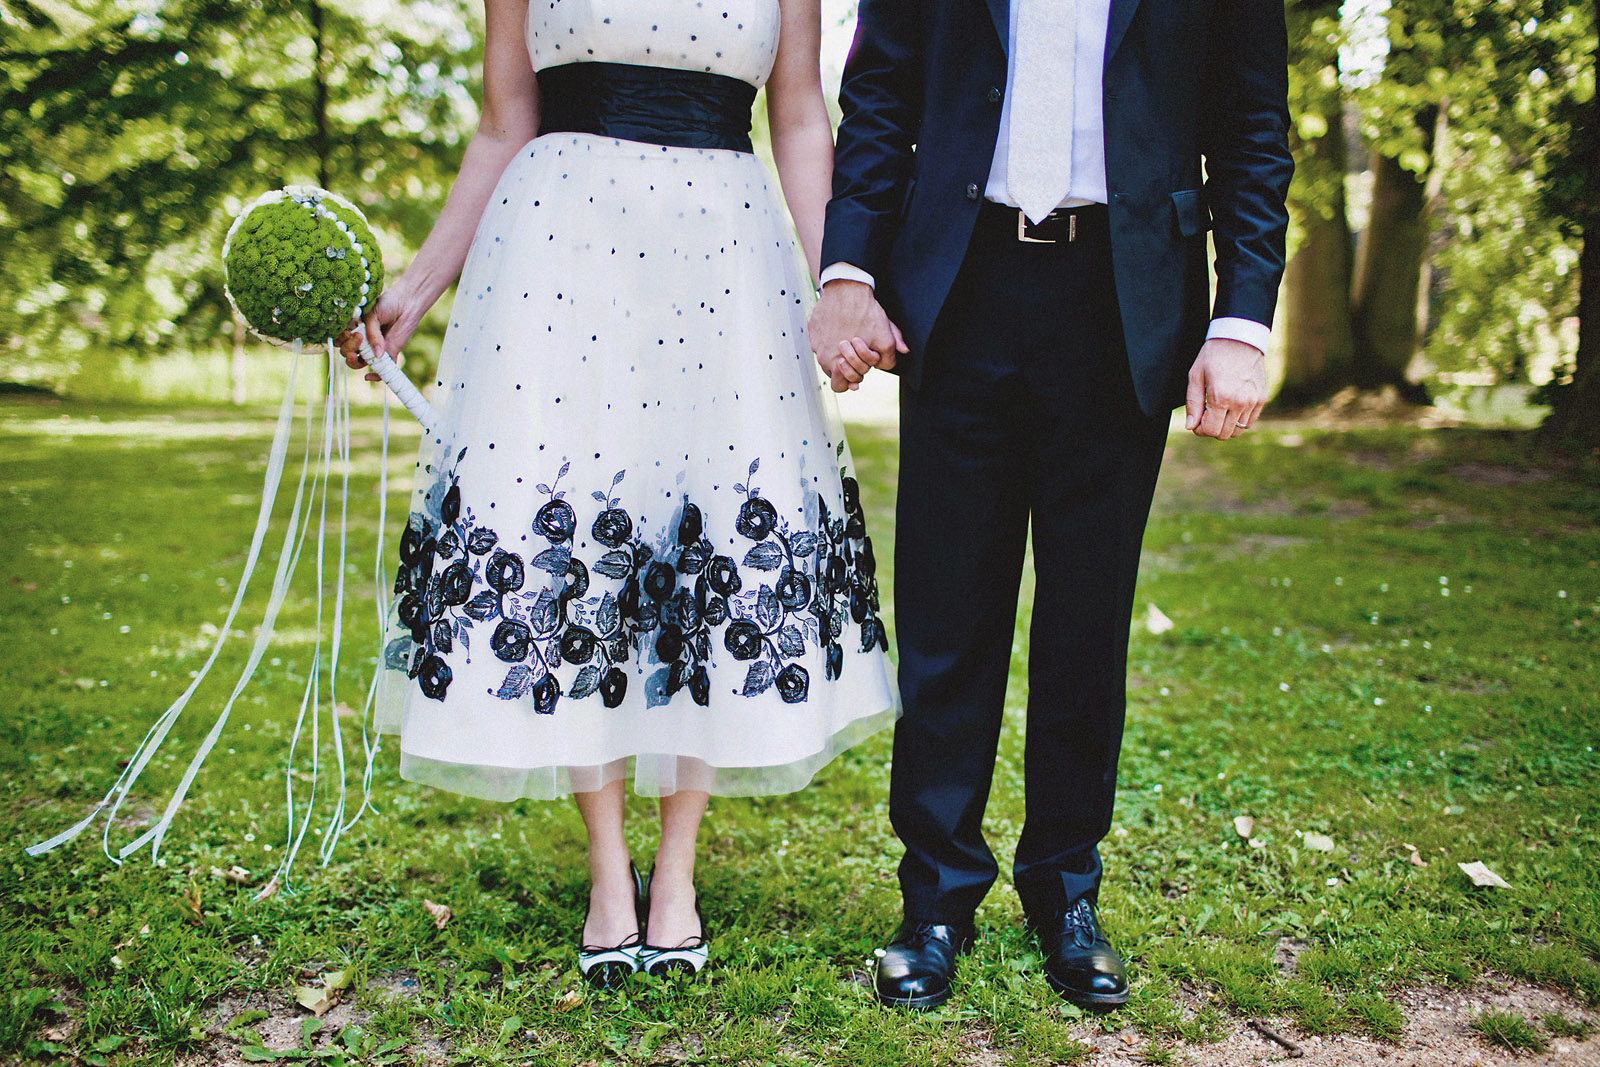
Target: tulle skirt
point(636, 541)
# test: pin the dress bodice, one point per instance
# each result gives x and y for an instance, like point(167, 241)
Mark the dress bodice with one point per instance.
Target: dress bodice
point(734, 38)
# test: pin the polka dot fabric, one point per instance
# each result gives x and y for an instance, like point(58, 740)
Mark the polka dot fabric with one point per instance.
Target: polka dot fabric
point(735, 38)
point(636, 542)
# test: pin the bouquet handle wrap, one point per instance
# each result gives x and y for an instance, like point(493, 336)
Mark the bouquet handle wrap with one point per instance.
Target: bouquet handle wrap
point(404, 391)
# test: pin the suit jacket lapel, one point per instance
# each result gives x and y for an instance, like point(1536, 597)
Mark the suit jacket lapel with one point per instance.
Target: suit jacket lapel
point(1000, 11)
point(1121, 15)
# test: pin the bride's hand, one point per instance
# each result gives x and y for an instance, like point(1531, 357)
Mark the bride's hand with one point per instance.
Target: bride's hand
point(389, 325)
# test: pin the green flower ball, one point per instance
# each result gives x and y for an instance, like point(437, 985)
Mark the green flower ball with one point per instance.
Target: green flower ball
point(301, 262)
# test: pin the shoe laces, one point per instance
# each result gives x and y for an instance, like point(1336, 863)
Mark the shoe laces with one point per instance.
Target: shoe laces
point(1079, 920)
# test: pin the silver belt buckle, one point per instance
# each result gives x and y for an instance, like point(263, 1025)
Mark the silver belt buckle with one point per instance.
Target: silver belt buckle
point(1022, 230)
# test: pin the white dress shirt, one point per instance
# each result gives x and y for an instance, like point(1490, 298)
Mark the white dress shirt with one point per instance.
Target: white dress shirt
point(1086, 129)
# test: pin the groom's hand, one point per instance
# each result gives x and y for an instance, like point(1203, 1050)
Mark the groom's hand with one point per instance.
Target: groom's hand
point(1227, 387)
point(850, 333)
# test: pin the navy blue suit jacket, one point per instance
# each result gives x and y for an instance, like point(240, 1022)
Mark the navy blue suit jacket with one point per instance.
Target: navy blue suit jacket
point(1185, 81)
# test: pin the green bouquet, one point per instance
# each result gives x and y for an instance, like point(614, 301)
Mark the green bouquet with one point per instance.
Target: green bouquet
point(301, 263)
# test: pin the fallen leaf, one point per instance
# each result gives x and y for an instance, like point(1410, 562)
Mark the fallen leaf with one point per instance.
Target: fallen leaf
point(1156, 621)
point(318, 999)
point(191, 900)
point(440, 913)
point(1417, 860)
point(1244, 825)
point(268, 890)
point(1319, 842)
point(569, 1000)
point(237, 875)
point(1482, 875)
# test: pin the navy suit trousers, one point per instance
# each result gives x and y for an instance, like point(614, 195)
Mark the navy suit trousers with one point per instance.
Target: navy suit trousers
point(1025, 416)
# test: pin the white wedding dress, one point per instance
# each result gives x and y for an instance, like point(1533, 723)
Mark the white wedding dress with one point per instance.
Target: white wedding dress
point(636, 539)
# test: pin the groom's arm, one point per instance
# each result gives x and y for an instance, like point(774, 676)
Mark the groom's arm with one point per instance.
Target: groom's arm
point(1244, 138)
point(881, 101)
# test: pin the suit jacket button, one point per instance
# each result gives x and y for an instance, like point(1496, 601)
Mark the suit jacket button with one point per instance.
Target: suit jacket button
point(972, 190)
point(995, 94)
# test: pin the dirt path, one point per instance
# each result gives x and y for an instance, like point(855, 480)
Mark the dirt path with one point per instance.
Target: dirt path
point(1436, 1035)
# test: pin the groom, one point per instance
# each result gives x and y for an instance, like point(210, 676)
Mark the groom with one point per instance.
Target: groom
point(1018, 191)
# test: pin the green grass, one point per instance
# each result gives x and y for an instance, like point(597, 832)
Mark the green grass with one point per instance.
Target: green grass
point(1508, 1030)
point(1561, 1026)
point(1318, 679)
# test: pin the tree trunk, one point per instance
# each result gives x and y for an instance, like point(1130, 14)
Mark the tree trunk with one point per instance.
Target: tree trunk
point(1575, 418)
point(236, 363)
point(1318, 346)
point(1390, 265)
point(320, 144)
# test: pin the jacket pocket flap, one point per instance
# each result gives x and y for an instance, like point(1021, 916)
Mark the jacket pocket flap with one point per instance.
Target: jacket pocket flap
point(1190, 208)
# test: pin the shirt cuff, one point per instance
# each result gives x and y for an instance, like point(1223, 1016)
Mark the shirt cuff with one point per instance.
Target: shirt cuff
point(848, 272)
point(1252, 333)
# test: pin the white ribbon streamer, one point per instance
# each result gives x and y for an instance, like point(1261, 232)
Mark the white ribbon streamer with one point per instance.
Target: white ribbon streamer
point(336, 437)
point(288, 557)
point(159, 730)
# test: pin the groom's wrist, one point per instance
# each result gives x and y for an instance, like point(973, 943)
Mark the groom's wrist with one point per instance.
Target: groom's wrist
point(1255, 334)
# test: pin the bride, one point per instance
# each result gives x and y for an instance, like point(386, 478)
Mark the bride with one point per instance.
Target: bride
point(635, 544)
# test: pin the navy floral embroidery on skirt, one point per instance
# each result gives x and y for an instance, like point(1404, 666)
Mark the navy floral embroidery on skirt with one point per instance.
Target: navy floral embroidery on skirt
point(676, 605)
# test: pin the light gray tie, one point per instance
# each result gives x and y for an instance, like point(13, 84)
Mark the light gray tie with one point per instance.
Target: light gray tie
point(1039, 161)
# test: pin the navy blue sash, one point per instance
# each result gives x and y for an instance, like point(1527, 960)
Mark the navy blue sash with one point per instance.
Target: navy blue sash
point(656, 105)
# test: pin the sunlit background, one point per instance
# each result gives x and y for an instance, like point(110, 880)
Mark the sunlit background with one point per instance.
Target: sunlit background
point(1439, 204)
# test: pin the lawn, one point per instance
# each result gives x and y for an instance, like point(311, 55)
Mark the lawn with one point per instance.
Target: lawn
point(1382, 651)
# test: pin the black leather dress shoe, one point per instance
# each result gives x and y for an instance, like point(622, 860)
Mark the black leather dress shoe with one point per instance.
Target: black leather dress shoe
point(1079, 963)
point(914, 970)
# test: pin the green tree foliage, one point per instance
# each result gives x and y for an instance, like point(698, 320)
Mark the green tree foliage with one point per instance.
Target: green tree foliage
point(1464, 109)
point(131, 132)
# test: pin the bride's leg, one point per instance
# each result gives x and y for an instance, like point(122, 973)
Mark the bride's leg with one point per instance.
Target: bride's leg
point(673, 919)
point(611, 915)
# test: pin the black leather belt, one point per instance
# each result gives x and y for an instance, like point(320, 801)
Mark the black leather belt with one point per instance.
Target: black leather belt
point(656, 105)
point(1064, 225)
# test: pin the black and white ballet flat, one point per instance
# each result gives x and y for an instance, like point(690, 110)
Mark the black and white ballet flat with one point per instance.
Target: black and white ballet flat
point(688, 957)
point(609, 967)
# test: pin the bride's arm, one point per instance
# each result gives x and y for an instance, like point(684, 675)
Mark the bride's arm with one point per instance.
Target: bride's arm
point(802, 139)
point(509, 120)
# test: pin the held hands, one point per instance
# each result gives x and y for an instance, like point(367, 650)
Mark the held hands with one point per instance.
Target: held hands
point(1227, 387)
point(850, 334)
point(390, 324)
